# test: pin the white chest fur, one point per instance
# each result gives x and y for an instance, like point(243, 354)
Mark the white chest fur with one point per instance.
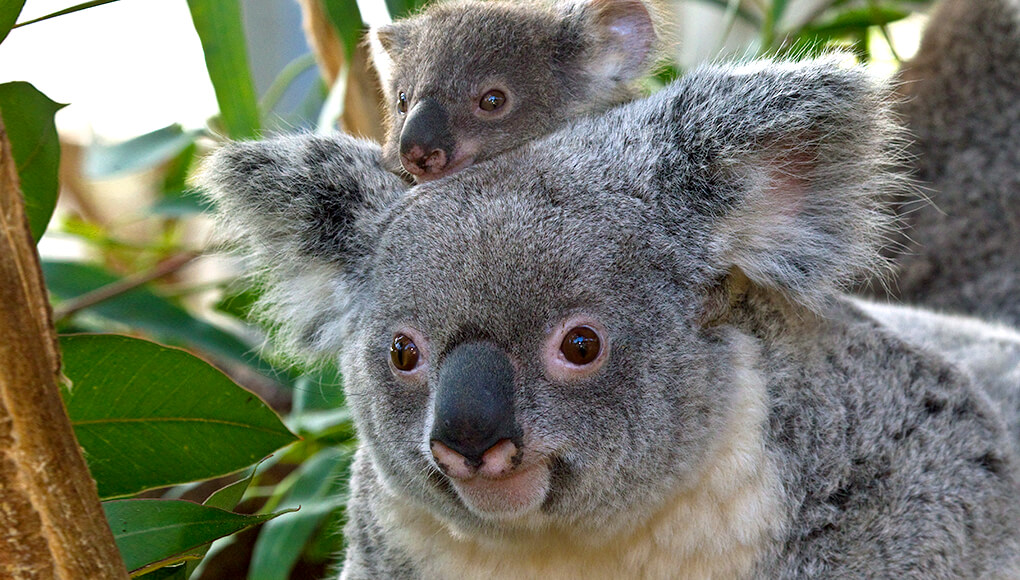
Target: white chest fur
point(718, 528)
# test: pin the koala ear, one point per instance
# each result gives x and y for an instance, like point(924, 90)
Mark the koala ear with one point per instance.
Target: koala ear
point(385, 42)
point(306, 210)
point(801, 168)
point(624, 35)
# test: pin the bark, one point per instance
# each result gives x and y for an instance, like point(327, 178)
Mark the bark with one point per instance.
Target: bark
point(53, 524)
point(363, 106)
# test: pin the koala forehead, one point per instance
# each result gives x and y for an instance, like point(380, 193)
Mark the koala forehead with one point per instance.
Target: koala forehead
point(500, 37)
point(465, 253)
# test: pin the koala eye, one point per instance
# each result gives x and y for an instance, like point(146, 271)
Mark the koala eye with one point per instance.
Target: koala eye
point(581, 345)
point(402, 103)
point(575, 348)
point(492, 100)
point(404, 353)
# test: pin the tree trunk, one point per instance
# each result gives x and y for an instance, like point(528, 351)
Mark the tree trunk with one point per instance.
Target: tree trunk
point(53, 525)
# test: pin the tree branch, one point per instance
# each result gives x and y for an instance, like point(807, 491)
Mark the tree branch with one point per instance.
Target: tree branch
point(54, 526)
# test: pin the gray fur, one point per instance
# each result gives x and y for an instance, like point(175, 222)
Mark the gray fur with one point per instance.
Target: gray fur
point(709, 230)
point(963, 107)
point(555, 60)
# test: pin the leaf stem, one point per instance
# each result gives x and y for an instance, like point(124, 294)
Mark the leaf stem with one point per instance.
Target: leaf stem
point(72, 9)
point(112, 290)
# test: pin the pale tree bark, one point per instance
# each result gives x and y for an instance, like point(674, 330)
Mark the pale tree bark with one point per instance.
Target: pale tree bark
point(362, 111)
point(52, 522)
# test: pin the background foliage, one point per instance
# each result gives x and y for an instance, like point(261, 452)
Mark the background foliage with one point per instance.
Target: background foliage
point(183, 455)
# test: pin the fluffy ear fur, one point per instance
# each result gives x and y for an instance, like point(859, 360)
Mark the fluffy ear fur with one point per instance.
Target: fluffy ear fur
point(385, 43)
point(305, 209)
point(793, 161)
point(625, 36)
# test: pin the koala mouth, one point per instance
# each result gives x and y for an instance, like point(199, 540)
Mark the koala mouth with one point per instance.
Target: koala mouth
point(457, 165)
point(507, 496)
point(502, 485)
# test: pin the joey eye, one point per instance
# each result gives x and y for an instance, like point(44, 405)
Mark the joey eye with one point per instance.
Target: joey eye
point(402, 103)
point(492, 100)
point(581, 345)
point(404, 353)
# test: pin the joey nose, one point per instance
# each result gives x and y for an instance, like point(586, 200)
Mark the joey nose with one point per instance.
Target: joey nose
point(426, 141)
point(474, 401)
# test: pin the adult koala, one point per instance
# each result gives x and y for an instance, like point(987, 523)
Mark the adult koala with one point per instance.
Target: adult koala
point(962, 105)
point(621, 351)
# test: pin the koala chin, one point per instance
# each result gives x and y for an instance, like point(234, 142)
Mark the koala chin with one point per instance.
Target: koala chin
point(623, 350)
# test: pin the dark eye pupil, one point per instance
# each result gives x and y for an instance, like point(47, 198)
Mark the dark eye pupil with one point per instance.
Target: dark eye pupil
point(402, 103)
point(580, 345)
point(492, 100)
point(404, 353)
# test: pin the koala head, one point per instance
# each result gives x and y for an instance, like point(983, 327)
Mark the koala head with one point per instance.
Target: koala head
point(543, 340)
point(468, 80)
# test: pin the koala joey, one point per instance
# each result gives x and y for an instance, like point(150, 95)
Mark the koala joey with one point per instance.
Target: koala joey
point(622, 350)
point(467, 80)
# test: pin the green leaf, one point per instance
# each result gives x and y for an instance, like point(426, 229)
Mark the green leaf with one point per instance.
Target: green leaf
point(142, 309)
point(741, 12)
point(138, 154)
point(150, 532)
point(319, 487)
point(401, 8)
point(221, 31)
point(9, 11)
point(225, 498)
point(181, 203)
point(319, 389)
point(238, 300)
point(148, 416)
point(855, 21)
point(28, 117)
point(346, 19)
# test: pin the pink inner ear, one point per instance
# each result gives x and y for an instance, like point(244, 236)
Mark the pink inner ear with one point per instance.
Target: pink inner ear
point(630, 28)
point(789, 176)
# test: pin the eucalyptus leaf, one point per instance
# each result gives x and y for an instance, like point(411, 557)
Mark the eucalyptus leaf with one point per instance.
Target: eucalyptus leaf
point(148, 416)
point(149, 532)
point(346, 19)
point(143, 309)
point(400, 8)
point(855, 21)
point(225, 498)
point(138, 154)
point(221, 31)
point(9, 11)
point(28, 119)
point(318, 488)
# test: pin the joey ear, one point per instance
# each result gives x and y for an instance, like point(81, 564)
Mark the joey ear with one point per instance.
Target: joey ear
point(626, 34)
point(794, 168)
point(385, 42)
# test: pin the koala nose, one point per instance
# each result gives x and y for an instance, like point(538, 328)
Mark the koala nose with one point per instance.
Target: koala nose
point(426, 142)
point(474, 402)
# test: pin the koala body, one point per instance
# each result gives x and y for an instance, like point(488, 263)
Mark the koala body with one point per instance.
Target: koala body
point(962, 104)
point(622, 351)
point(467, 80)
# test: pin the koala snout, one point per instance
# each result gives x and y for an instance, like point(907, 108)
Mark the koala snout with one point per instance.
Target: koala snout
point(426, 143)
point(474, 425)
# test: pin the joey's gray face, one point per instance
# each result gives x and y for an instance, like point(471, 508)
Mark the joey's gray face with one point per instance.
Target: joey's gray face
point(469, 80)
point(509, 381)
point(468, 94)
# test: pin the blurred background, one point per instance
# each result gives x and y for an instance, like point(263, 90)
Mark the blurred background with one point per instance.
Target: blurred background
point(151, 86)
